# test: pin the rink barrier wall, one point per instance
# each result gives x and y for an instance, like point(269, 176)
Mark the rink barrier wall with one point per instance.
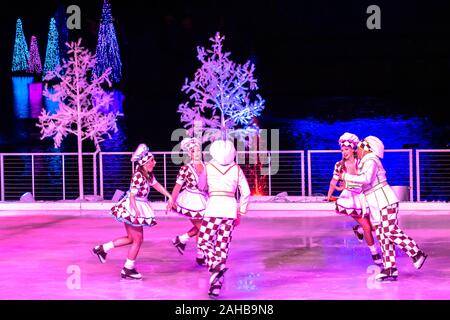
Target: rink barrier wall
point(423, 175)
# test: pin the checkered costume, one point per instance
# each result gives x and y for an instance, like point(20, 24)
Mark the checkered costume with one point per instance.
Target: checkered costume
point(349, 202)
point(140, 187)
point(191, 202)
point(224, 177)
point(382, 203)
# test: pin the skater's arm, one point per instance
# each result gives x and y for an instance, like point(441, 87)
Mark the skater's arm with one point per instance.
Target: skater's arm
point(338, 170)
point(333, 186)
point(158, 187)
point(175, 193)
point(366, 175)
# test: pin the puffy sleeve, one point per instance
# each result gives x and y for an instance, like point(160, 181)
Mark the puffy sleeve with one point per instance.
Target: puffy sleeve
point(337, 170)
point(137, 182)
point(153, 181)
point(181, 177)
point(366, 174)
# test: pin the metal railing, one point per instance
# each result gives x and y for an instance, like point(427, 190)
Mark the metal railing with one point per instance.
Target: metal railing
point(48, 176)
point(54, 176)
point(287, 168)
point(433, 175)
point(397, 162)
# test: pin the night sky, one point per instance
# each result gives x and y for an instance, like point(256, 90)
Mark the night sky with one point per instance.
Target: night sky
point(301, 49)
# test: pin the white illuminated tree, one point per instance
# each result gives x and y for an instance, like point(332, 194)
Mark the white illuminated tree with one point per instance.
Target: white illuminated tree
point(222, 95)
point(82, 102)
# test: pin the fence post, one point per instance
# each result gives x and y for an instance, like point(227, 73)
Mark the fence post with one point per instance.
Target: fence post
point(270, 174)
point(302, 163)
point(309, 174)
point(2, 178)
point(411, 183)
point(165, 177)
point(101, 176)
point(64, 176)
point(94, 168)
point(32, 176)
point(418, 174)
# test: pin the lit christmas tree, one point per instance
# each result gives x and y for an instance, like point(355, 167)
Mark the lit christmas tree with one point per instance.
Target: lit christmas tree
point(20, 55)
point(52, 56)
point(107, 54)
point(34, 62)
point(221, 96)
point(81, 100)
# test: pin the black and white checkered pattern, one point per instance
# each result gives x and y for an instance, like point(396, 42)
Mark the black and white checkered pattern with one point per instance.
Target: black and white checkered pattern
point(347, 143)
point(364, 145)
point(389, 235)
point(214, 240)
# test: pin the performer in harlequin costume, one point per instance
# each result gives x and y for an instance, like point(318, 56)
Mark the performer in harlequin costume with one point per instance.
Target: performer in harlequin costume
point(222, 213)
point(349, 202)
point(135, 212)
point(382, 203)
point(191, 201)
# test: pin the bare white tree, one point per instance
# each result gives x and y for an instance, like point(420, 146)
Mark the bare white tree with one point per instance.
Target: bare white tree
point(222, 95)
point(83, 104)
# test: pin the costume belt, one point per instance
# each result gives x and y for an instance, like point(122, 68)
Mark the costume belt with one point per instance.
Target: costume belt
point(196, 191)
point(221, 194)
point(363, 195)
point(376, 187)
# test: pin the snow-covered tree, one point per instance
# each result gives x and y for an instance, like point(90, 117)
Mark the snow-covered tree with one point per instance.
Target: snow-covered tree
point(222, 95)
point(81, 100)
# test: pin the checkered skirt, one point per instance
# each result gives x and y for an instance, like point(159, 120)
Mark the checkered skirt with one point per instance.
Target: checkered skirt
point(349, 203)
point(123, 213)
point(191, 204)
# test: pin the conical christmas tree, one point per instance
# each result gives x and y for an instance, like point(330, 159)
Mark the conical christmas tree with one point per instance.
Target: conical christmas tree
point(107, 53)
point(34, 62)
point(52, 55)
point(20, 55)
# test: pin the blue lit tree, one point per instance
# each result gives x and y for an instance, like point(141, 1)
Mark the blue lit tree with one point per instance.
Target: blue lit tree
point(20, 55)
point(52, 55)
point(107, 53)
point(34, 62)
point(221, 96)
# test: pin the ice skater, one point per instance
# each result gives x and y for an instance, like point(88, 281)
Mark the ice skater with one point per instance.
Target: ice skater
point(222, 213)
point(383, 206)
point(135, 212)
point(191, 201)
point(349, 203)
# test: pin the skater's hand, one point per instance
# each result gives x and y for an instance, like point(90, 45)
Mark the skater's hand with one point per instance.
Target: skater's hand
point(170, 205)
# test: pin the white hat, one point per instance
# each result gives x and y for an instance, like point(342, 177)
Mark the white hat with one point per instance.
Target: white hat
point(372, 143)
point(223, 152)
point(189, 143)
point(349, 140)
point(141, 155)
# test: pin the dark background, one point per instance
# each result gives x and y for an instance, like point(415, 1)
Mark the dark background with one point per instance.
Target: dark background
point(302, 50)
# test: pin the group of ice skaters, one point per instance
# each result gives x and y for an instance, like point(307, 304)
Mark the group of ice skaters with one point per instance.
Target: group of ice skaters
point(205, 193)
